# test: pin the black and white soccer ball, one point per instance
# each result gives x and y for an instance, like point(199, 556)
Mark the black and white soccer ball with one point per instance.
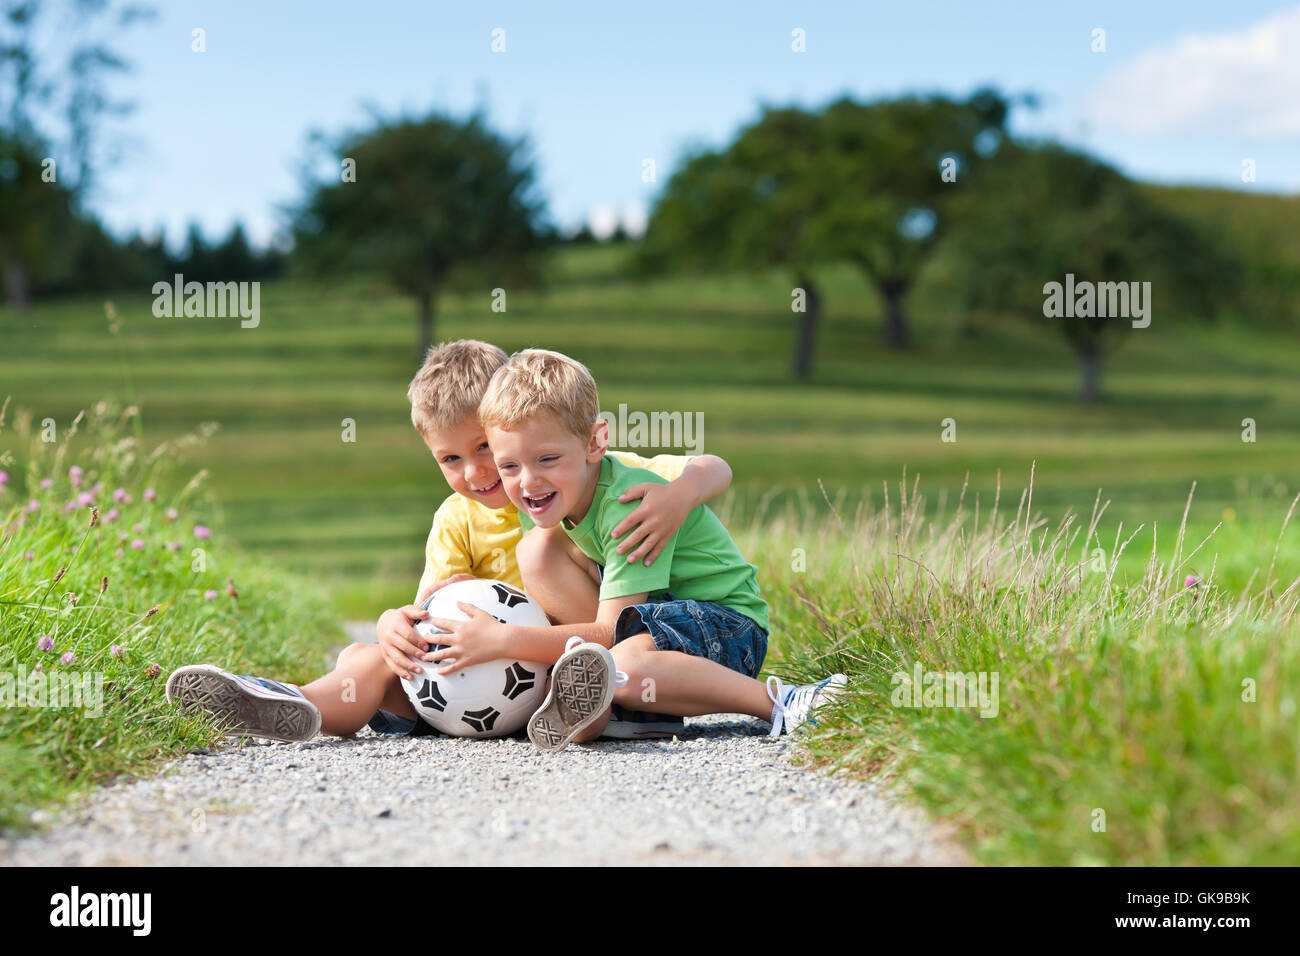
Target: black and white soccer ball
point(491, 699)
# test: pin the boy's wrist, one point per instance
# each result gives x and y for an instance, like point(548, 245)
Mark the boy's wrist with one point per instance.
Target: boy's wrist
point(692, 487)
point(509, 637)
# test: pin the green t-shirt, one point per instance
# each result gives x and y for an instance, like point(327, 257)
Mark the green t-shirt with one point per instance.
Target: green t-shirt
point(700, 562)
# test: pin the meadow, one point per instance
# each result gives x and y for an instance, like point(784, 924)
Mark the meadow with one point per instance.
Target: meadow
point(1121, 682)
point(354, 514)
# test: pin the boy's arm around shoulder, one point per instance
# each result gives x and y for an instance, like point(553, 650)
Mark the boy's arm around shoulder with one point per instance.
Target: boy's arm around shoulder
point(665, 508)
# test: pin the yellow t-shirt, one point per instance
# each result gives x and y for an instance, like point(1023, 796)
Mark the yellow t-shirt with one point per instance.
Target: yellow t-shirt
point(470, 538)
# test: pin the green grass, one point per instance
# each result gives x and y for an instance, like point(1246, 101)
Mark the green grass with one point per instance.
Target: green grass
point(355, 515)
point(1118, 695)
point(129, 616)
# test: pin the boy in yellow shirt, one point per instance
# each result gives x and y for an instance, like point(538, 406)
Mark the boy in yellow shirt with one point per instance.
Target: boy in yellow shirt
point(474, 534)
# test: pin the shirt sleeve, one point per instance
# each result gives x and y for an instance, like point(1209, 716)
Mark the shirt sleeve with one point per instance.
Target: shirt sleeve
point(622, 577)
point(446, 552)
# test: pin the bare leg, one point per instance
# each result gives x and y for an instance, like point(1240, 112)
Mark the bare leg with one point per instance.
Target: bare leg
point(670, 682)
point(558, 576)
point(360, 684)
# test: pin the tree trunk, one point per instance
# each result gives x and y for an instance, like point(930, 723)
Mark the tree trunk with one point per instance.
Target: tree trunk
point(17, 290)
point(893, 291)
point(809, 319)
point(1088, 391)
point(425, 300)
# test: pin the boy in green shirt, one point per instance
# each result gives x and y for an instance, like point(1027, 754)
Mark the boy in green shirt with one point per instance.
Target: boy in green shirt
point(687, 635)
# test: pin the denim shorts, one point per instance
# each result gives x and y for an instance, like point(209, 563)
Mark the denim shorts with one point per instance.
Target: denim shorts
point(386, 722)
point(698, 628)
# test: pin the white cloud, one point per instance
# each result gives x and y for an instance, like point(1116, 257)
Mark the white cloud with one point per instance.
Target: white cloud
point(1244, 83)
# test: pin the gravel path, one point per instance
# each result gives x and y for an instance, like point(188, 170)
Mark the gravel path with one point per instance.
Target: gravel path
point(721, 793)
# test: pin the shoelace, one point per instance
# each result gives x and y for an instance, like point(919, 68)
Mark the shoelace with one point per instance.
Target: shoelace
point(786, 699)
point(778, 701)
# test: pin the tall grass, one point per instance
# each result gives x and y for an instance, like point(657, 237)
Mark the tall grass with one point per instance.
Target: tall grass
point(1142, 721)
point(108, 569)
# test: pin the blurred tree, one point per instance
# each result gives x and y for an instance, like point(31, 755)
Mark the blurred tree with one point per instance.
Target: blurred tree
point(35, 219)
point(872, 183)
point(197, 262)
point(233, 258)
point(1046, 211)
point(433, 202)
point(54, 81)
point(58, 63)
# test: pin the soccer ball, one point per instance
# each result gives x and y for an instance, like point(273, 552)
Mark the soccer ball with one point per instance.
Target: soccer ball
point(491, 699)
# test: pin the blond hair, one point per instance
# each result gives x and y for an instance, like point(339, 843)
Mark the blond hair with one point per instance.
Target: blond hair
point(450, 384)
point(536, 382)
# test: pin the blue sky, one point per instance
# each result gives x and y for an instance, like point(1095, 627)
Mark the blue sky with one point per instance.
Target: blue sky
point(1183, 92)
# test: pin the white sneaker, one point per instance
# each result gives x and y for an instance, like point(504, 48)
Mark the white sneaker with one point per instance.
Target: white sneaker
point(255, 706)
point(582, 688)
point(794, 706)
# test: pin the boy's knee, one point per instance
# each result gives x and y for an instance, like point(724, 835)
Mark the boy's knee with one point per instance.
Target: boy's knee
point(358, 653)
point(635, 658)
point(538, 550)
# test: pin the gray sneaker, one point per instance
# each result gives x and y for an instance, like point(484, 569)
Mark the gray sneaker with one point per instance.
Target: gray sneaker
point(582, 687)
point(641, 725)
point(254, 706)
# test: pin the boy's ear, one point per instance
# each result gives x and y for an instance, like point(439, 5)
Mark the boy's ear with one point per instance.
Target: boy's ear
point(599, 441)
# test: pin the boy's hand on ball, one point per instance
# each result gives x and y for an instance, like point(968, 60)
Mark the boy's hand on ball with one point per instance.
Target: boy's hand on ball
point(398, 640)
point(481, 638)
point(653, 522)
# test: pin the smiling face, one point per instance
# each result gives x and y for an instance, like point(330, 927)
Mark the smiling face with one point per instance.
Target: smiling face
point(466, 461)
point(548, 472)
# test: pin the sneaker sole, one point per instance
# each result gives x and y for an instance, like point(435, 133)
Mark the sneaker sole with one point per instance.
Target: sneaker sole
point(206, 688)
point(636, 730)
point(582, 687)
